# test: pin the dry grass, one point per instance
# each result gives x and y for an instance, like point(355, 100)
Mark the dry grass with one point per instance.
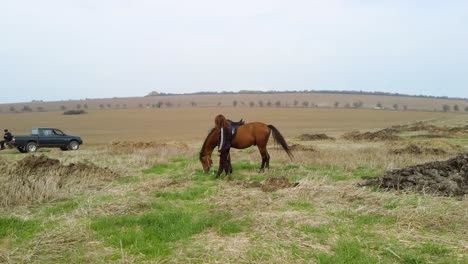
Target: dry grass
point(303, 224)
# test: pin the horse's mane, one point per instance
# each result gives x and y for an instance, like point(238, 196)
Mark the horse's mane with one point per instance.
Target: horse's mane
point(204, 142)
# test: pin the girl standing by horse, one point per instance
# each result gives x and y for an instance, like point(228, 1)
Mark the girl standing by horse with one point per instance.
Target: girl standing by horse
point(225, 137)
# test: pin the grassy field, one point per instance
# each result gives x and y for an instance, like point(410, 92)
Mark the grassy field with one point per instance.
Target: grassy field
point(149, 201)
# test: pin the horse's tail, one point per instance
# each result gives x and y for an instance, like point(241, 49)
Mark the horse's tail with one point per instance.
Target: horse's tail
point(280, 139)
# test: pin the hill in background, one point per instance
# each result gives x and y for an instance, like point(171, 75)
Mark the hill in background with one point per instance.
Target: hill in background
point(246, 98)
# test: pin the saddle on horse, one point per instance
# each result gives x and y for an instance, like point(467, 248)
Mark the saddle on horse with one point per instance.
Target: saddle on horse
point(235, 126)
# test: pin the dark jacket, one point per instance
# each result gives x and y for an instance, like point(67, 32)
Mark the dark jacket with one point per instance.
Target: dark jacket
point(225, 139)
point(8, 136)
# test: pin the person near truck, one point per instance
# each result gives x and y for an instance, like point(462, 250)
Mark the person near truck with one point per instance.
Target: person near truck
point(7, 137)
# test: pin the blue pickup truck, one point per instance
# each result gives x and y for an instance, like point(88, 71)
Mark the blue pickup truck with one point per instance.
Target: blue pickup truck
point(46, 138)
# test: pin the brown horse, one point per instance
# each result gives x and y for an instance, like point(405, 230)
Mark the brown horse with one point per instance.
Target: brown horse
point(250, 134)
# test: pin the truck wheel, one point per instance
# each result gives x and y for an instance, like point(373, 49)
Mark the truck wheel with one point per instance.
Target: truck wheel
point(31, 147)
point(73, 145)
point(20, 149)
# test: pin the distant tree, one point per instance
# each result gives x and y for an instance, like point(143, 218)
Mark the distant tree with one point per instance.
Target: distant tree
point(125, 106)
point(194, 104)
point(305, 104)
point(63, 107)
point(101, 106)
point(395, 106)
point(140, 105)
point(12, 109)
point(260, 103)
point(347, 105)
point(296, 103)
point(159, 104)
point(251, 104)
point(219, 103)
point(379, 105)
point(40, 109)
point(26, 108)
point(336, 104)
point(466, 108)
point(278, 103)
point(405, 107)
point(446, 108)
point(269, 103)
point(85, 106)
point(358, 104)
point(109, 105)
point(78, 106)
point(456, 108)
point(168, 104)
point(234, 103)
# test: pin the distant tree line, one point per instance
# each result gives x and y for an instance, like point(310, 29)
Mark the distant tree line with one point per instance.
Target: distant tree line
point(309, 91)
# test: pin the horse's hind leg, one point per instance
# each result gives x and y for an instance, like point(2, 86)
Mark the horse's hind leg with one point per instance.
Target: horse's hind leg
point(265, 158)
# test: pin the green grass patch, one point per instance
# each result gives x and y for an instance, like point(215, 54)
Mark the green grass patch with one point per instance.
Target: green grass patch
point(18, 228)
point(229, 228)
point(434, 249)
point(320, 232)
point(191, 193)
point(244, 165)
point(391, 204)
point(333, 172)
point(366, 171)
point(346, 251)
point(158, 169)
point(301, 206)
point(62, 207)
point(152, 234)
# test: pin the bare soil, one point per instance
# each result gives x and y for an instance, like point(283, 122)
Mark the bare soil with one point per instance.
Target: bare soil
point(444, 178)
point(433, 147)
point(307, 137)
point(269, 185)
point(37, 179)
point(381, 135)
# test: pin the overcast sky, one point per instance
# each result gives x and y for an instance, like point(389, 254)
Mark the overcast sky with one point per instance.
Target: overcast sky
point(72, 49)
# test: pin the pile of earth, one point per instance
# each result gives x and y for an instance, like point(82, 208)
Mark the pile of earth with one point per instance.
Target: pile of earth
point(36, 179)
point(269, 185)
point(307, 137)
point(444, 178)
point(380, 135)
point(425, 148)
point(434, 131)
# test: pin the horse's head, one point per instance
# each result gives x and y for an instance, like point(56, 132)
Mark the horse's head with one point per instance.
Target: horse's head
point(206, 162)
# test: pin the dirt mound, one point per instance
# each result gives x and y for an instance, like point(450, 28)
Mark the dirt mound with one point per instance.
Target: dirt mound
point(276, 183)
point(38, 162)
point(380, 135)
point(433, 130)
point(269, 185)
point(435, 147)
point(36, 179)
point(445, 178)
point(306, 137)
